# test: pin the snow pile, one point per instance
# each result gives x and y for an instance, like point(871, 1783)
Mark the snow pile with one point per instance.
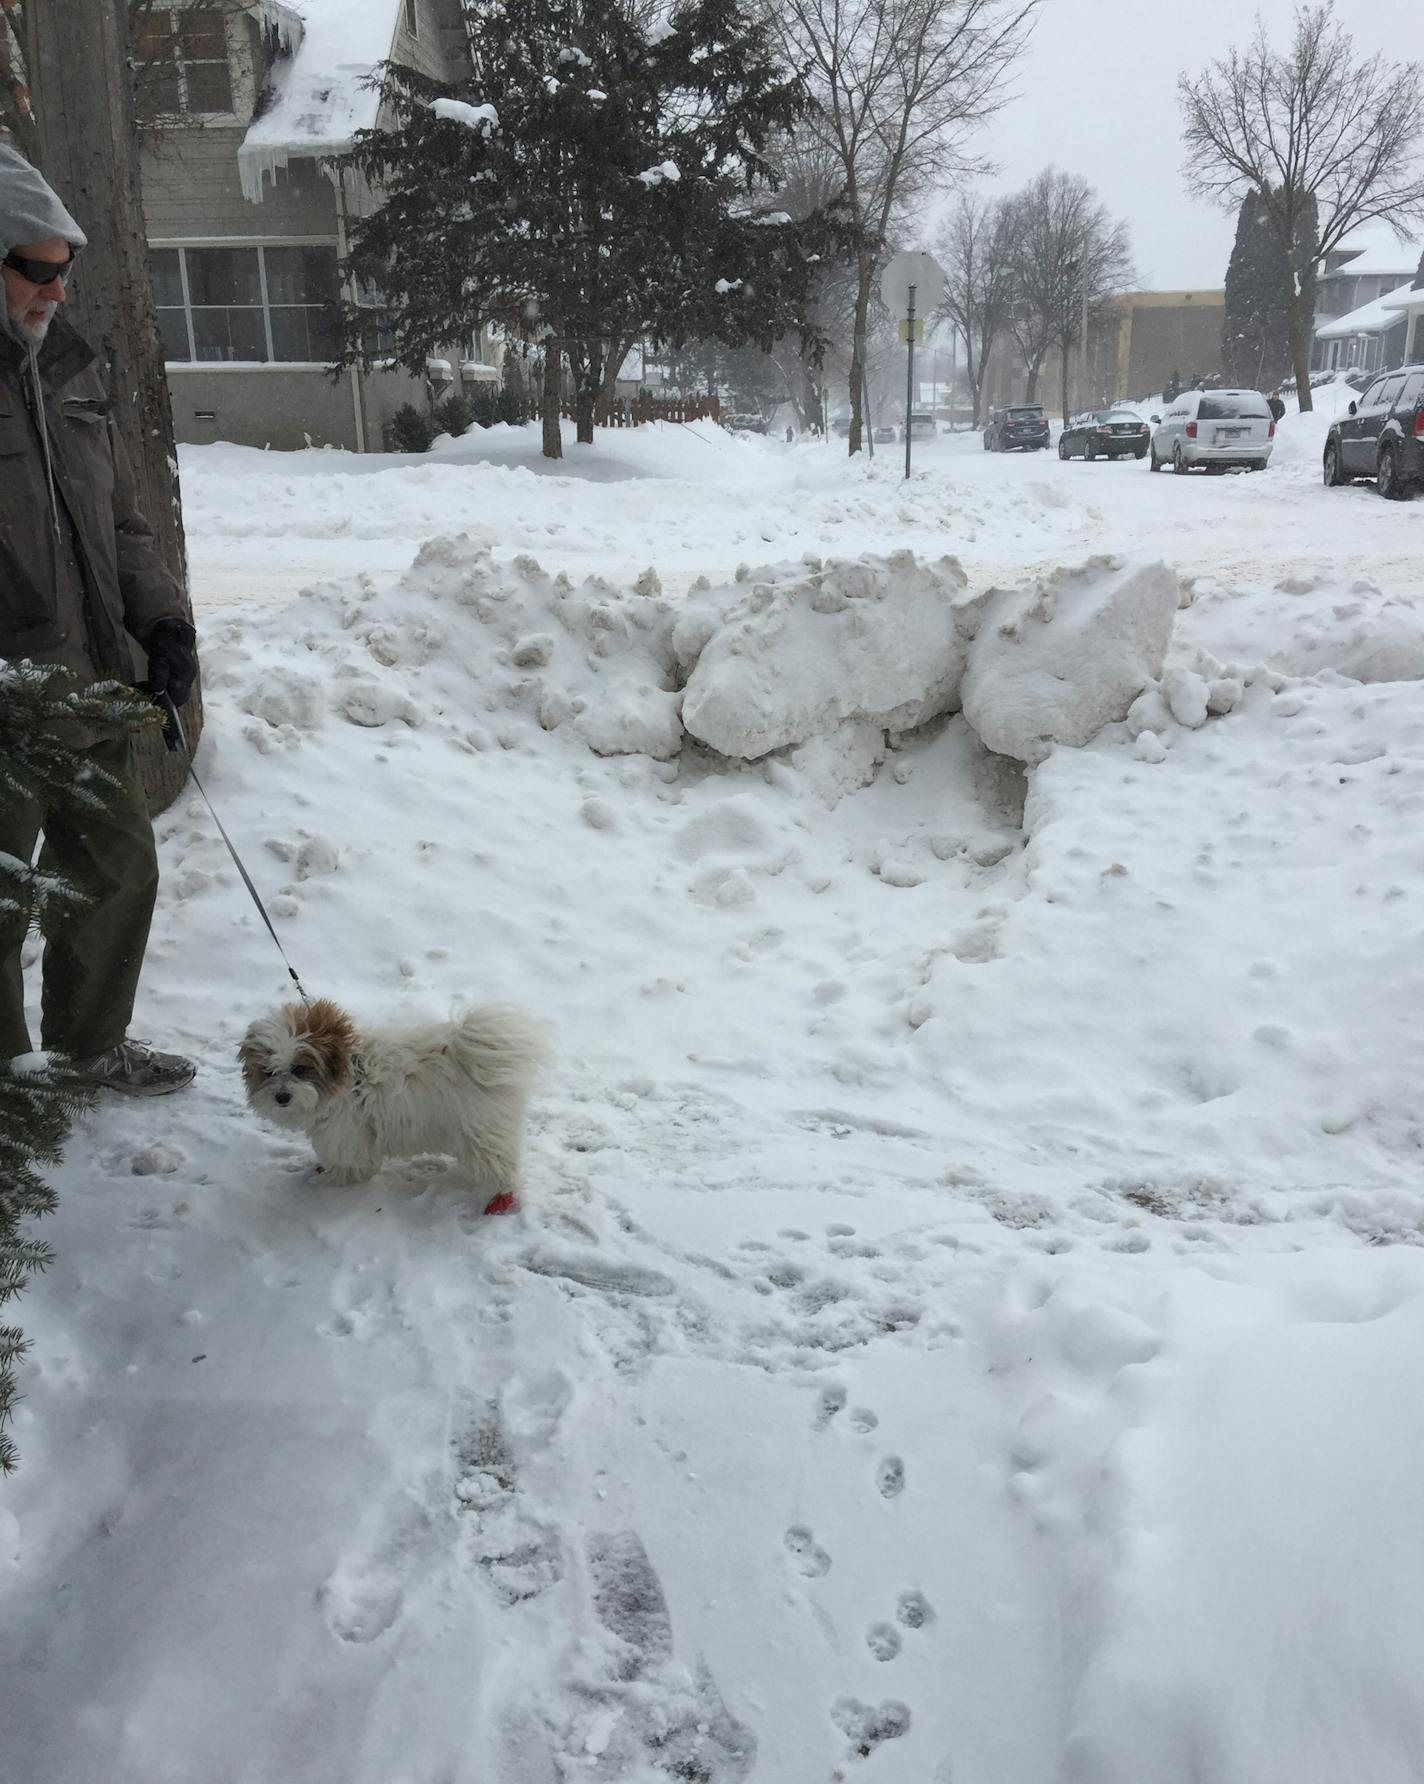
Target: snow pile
point(804, 652)
point(1057, 662)
point(1313, 623)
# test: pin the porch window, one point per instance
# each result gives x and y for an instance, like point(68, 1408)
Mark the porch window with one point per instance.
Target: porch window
point(260, 305)
point(182, 55)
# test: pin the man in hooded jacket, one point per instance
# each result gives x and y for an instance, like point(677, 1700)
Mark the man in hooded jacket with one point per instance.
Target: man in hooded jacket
point(81, 586)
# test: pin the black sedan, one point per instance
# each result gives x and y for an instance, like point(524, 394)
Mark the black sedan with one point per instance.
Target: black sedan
point(1021, 429)
point(1106, 433)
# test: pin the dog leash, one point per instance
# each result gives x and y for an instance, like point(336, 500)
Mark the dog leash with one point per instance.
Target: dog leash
point(173, 729)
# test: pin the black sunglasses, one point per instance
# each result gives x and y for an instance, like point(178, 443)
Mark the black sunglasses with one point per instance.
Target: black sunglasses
point(40, 272)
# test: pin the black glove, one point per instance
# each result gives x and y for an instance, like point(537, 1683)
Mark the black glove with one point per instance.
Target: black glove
point(172, 660)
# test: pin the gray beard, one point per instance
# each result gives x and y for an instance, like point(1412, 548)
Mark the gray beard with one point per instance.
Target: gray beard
point(27, 334)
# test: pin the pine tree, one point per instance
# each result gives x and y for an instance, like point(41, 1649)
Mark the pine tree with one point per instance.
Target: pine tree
point(593, 183)
point(1255, 333)
point(38, 1098)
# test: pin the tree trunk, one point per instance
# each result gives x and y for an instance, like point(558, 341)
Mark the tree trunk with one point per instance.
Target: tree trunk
point(1064, 348)
point(865, 272)
point(78, 61)
point(1300, 352)
point(549, 399)
point(1031, 393)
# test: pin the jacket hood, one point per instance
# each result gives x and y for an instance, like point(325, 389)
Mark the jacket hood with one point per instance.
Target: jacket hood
point(29, 209)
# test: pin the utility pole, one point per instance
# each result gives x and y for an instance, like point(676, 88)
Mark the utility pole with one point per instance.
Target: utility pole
point(910, 379)
point(78, 62)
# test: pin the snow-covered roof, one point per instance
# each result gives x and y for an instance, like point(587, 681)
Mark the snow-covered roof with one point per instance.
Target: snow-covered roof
point(1379, 256)
point(1371, 318)
point(321, 93)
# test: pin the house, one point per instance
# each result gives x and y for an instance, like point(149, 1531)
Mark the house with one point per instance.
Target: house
point(1355, 325)
point(1369, 339)
point(1134, 347)
point(248, 206)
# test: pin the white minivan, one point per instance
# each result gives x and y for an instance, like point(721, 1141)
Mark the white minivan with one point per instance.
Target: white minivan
point(1215, 428)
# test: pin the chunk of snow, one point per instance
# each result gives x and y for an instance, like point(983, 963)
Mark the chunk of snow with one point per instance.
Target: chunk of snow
point(723, 286)
point(864, 638)
point(483, 118)
point(1058, 661)
point(654, 176)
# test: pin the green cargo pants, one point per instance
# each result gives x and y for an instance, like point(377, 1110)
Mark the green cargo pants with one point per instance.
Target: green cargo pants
point(94, 951)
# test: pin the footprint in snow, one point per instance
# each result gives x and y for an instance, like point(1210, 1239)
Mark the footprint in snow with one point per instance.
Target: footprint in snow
point(914, 1610)
point(807, 1556)
point(365, 1592)
point(883, 1640)
point(832, 1400)
point(862, 1419)
point(519, 1556)
point(867, 1725)
point(890, 1477)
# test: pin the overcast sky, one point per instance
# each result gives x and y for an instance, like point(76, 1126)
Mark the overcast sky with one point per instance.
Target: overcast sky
point(1097, 97)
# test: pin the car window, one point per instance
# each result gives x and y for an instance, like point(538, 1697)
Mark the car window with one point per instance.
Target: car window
point(1247, 406)
point(1413, 391)
point(1385, 398)
point(1372, 394)
point(1026, 414)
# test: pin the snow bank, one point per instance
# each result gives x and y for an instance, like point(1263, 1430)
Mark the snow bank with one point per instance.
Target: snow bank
point(802, 653)
point(1312, 623)
point(1057, 662)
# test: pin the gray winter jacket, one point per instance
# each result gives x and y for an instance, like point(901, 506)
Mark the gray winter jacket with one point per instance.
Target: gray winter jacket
point(80, 576)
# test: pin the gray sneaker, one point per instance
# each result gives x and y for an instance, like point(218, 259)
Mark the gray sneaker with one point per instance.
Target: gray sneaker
point(137, 1070)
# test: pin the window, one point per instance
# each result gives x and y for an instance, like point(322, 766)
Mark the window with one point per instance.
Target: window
point(1413, 391)
point(183, 59)
point(412, 17)
point(1233, 408)
point(247, 305)
point(1385, 398)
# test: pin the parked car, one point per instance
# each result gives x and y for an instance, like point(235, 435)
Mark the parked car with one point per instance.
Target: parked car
point(840, 427)
point(746, 424)
point(885, 435)
point(921, 427)
point(1105, 433)
point(1215, 428)
point(1381, 436)
point(1023, 429)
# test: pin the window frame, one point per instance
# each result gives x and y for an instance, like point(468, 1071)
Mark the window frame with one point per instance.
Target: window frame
point(184, 246)
point(238, 81)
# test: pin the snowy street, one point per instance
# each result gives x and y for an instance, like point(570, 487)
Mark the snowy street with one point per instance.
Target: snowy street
point(963, 1326)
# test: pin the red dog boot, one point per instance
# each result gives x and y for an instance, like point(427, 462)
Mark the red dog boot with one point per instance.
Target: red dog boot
point(503, 1203)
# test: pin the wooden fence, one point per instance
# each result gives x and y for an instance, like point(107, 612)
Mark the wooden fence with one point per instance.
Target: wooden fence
point(634, 411)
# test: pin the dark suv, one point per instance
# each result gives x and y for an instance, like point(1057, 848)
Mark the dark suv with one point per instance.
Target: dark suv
point(1381, 436)
point(1023, 428)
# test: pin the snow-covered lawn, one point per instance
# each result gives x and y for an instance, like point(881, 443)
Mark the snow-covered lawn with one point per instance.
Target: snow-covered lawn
point(965, 1324)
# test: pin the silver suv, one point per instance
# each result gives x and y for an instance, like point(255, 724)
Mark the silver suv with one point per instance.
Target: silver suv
point(1215, 428)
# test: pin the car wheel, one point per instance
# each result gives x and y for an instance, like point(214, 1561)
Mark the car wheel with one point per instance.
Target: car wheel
point(1334, 476)
point(1179, 464)
point(1140, 453)
point(1154, 460)
point(1063, 449)
point(1387, 479)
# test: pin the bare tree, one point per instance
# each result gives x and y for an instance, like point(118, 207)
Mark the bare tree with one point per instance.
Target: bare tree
point(979, 252)
point(901, 86)
point(1071, 258)
point(1316, 124)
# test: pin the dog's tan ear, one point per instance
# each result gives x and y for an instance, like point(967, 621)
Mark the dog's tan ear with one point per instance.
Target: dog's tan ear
point(250, 1057)
point(330, 1035)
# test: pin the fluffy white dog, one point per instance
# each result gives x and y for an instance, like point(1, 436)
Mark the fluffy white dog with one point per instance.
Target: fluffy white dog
point(459, 1088)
